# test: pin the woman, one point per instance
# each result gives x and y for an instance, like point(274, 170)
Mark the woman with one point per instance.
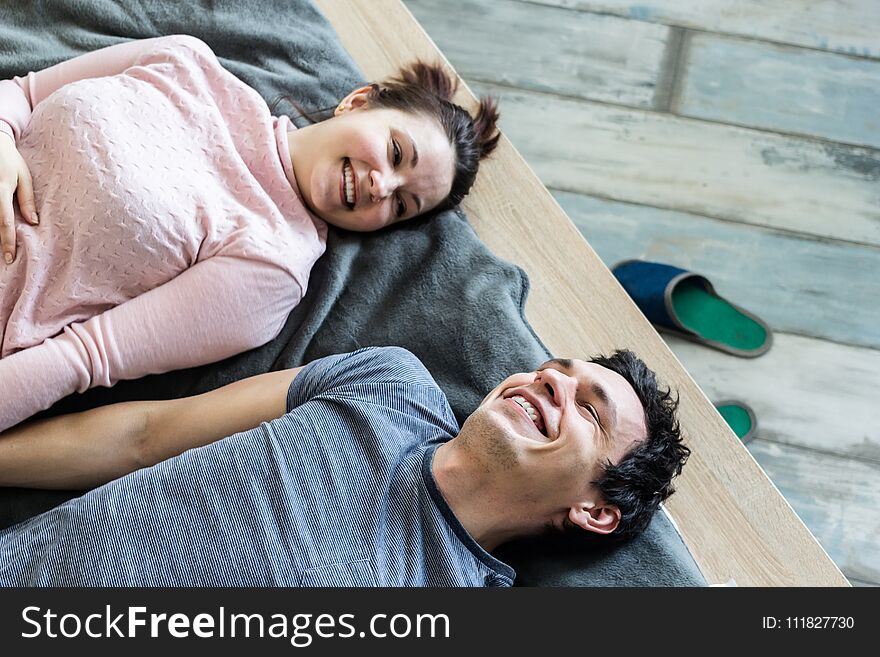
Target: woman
point(172, 221)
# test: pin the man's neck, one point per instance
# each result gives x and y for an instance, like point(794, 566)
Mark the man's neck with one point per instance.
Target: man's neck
point(472, 497)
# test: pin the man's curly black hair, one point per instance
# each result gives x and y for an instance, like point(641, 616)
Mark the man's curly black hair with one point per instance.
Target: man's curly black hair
point(643, 478)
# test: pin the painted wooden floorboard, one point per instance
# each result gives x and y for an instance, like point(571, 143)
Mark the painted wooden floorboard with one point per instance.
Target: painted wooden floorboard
point(858, 582)
point(677, 163)
point(805, 392)
point(837, 498)
point(782, 88)
point(546, 49)
point(847, 26)
point(798, 284)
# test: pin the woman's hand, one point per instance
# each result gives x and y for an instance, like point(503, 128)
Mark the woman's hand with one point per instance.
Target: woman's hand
point(15, 179)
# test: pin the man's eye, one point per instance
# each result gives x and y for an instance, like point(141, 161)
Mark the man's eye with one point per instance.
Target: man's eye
point(397, 154)
point(590, 408)
point(401, 207)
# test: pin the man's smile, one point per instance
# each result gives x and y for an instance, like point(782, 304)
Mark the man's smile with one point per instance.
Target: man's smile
point(529, 408)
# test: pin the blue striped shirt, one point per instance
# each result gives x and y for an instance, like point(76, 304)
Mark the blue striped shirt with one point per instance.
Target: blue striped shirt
point(336, 492)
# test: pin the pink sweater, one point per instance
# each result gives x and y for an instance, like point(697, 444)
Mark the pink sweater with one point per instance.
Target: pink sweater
point(171, 229)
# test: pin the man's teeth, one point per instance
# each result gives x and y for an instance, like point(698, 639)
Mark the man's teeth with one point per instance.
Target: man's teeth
point(527, 406)
point(349, 183)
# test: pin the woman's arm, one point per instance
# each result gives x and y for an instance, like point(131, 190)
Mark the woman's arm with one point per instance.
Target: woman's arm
point(20, 95)
point(83, 450)
point(217, 308)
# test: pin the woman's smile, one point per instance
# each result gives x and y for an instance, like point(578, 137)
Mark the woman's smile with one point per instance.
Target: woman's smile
point(348, 187)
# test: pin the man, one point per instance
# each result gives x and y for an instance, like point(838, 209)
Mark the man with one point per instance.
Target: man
point(355, 474)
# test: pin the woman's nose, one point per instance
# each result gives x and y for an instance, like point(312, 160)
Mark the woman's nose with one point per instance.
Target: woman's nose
point(380, 185)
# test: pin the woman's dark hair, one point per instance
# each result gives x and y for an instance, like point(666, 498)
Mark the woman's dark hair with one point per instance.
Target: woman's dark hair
point(428, 89)
point(643, 478)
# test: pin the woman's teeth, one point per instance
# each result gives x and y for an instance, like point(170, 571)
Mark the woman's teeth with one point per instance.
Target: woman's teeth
point(527, 406)
point(349, 183)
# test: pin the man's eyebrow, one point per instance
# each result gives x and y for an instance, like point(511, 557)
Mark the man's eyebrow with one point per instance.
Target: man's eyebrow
point(564, 363)
point(602, 396)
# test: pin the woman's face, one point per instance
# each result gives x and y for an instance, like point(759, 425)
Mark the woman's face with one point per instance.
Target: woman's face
point(367, 168)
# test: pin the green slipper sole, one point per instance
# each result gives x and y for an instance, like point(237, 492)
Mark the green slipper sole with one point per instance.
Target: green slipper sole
point(705, 316)
point(739, 417)
point(716, 319)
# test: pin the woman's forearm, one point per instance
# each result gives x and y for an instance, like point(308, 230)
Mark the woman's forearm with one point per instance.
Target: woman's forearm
point(219, 307)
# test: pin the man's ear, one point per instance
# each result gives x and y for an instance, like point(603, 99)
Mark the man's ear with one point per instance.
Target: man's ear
point(356, 99)
point(601, 519)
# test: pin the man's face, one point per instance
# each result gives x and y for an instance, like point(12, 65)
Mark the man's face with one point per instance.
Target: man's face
point(552, 430)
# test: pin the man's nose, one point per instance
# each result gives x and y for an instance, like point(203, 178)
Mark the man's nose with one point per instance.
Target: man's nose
point(559, 385)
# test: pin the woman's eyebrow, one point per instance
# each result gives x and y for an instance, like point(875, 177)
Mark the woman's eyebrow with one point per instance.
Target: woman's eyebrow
point(415, 151)
point(414, 160)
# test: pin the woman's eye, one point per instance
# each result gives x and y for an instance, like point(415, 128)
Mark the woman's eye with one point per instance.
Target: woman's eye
point(397, 156)
point(401, 207)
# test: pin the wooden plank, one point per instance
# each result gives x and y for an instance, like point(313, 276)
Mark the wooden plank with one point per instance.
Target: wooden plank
point(734, 522)
point(804, 391)
point(847, 26)
point(677, 163)
point(547, 49)
point(781, 88)
point(858, 582)
point(837, 498)
point(836, 283)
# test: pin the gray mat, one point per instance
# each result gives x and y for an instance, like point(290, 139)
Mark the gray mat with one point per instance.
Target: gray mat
point(429, 285)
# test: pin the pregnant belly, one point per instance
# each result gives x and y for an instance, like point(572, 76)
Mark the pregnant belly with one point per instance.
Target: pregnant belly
point(101, 241)
point(120, 214)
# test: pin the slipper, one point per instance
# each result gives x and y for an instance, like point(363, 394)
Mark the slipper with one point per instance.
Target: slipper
point(740, 417)
point(685, 304)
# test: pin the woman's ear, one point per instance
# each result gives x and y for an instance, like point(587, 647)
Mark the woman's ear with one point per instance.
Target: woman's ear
point(355, 100)
point(601, 519)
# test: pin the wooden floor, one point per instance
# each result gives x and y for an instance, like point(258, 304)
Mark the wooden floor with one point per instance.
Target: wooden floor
point(739, 139)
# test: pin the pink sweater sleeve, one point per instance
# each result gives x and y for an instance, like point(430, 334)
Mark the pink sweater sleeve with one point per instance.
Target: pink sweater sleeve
point(217, 308)
point(20, 95)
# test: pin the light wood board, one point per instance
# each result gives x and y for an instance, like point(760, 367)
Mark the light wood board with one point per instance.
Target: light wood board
point(732, 518)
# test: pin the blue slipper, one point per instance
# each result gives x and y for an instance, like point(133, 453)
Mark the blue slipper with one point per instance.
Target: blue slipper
point(685, 304)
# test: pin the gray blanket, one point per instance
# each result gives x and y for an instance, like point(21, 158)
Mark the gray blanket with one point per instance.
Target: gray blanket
point(429, 285)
